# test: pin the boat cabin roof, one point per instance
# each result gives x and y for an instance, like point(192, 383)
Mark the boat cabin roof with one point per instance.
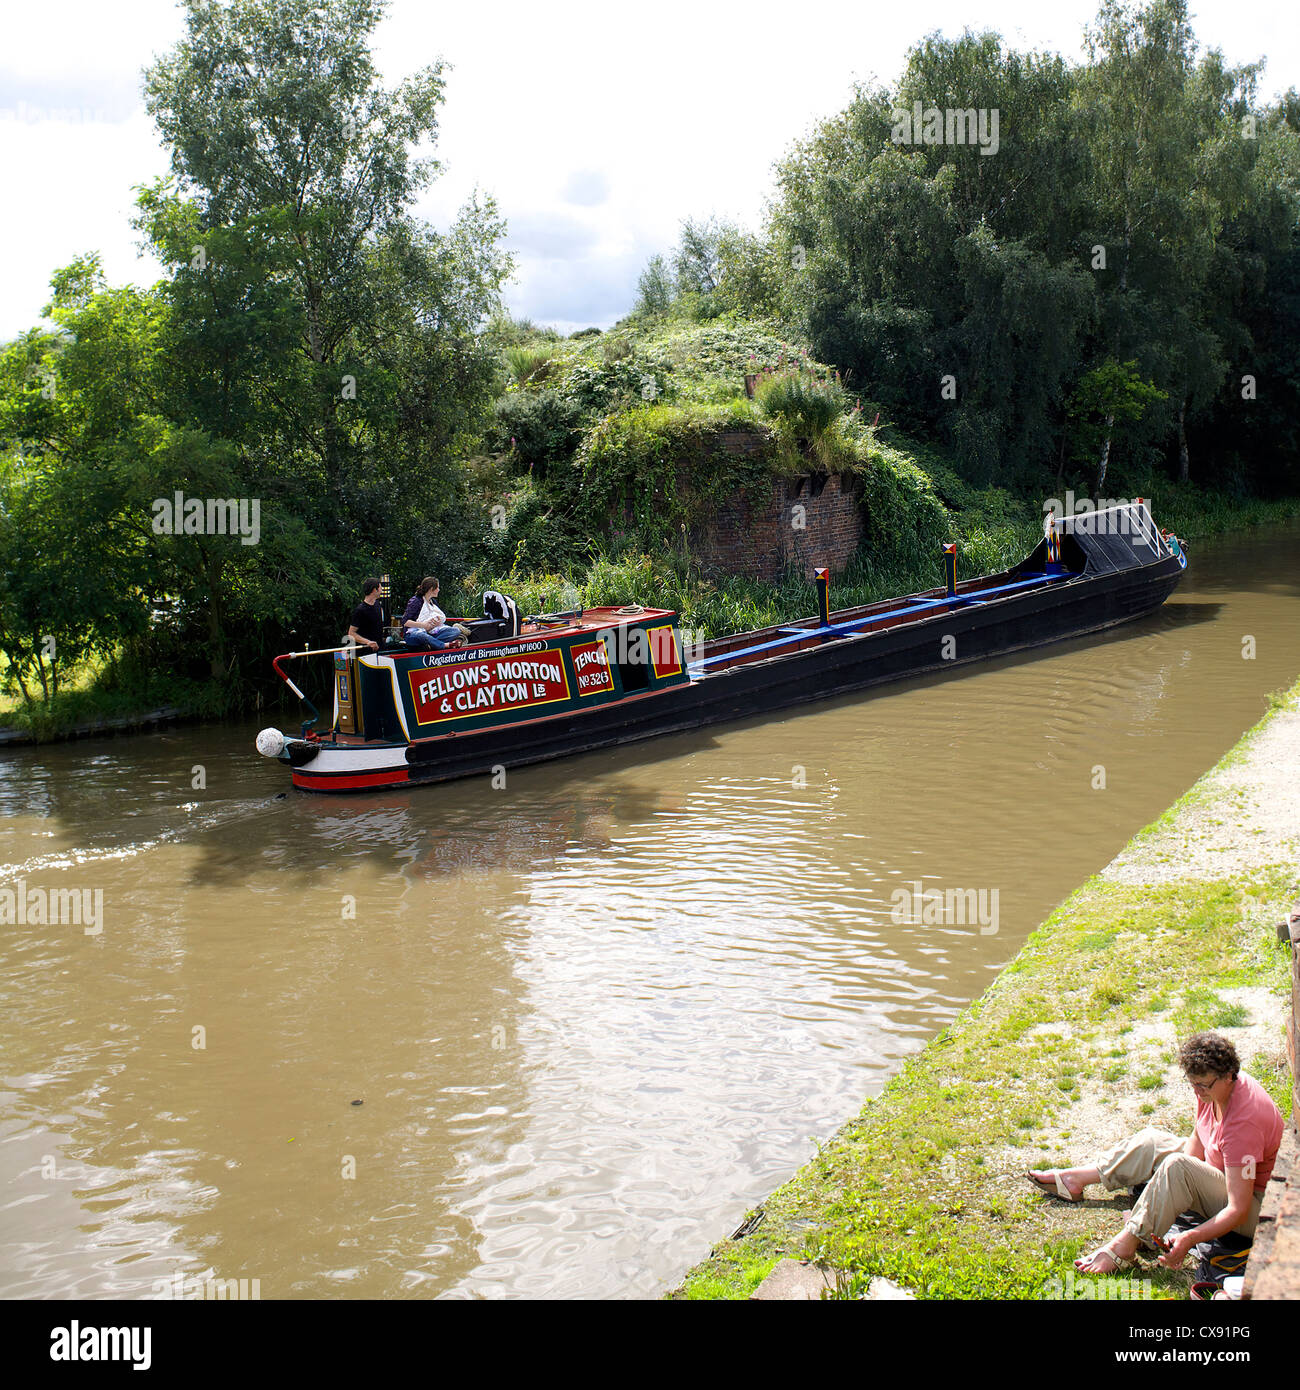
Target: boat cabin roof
point(595, 619)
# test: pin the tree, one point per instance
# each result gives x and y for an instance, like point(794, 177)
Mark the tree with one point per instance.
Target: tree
point(656, 288)
point(295, 172)
point(1111, 394)
point(75, 409)
point(1168, 170)
point(325, 349)
point(696, 262)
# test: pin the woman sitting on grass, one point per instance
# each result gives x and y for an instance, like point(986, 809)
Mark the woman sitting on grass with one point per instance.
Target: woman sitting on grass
point(1220, 1171)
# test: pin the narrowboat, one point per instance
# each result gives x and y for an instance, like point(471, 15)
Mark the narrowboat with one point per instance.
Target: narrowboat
point(523, 690)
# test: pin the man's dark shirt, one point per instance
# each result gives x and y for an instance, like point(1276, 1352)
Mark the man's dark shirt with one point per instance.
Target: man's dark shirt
point(368, 621)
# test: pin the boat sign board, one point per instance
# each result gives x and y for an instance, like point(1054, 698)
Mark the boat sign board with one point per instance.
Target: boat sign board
point(447, 693)
point(591, 666)
point(412, 696)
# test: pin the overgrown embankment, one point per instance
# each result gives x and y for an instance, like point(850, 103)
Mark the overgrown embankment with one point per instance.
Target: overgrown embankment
point(606, 453)
point(1072, 1047)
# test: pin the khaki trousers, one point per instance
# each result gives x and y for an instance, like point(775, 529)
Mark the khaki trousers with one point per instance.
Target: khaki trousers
point(1175, 1182)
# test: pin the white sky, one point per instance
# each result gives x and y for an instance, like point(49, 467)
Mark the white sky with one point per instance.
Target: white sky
point(597, 126)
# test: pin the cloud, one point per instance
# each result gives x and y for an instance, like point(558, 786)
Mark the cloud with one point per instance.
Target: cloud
point(593, 291)
point(556, 235)
point(587, 188)
point(109, 97)
point(596, 129)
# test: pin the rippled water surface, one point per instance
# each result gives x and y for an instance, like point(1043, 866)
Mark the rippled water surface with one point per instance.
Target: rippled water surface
point(590, 1018)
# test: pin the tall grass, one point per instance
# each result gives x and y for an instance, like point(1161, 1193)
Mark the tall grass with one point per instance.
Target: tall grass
point(1193, 513)
point(808, 403)
point(716, 605)
point(529, 363)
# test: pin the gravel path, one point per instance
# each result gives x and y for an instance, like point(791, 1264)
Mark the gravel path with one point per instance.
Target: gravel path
point(1240, 816)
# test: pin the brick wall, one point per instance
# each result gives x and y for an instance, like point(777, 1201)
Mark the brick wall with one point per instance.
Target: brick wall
point(1273, 1269)
point(809, 521)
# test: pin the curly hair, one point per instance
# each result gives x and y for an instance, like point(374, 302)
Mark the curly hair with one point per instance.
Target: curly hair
point(1208, 1052)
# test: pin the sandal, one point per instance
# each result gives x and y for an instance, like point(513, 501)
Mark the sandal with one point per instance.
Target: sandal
point(1117, 1260)
point(1057, 1188)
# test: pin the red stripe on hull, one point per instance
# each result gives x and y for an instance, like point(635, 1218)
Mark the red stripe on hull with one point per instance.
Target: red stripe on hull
point(346, 781)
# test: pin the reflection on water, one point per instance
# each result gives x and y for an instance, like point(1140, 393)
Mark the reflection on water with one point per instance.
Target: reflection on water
point(589, 1018)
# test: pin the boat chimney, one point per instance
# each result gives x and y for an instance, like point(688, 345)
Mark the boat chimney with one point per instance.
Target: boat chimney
point(823, 578)
point(950, 568)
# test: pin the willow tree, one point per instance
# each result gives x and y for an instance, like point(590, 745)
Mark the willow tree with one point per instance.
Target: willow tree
point(939, 275)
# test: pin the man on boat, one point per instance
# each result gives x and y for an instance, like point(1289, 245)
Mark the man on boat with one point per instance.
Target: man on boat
point(424, 624)
point(367, 627)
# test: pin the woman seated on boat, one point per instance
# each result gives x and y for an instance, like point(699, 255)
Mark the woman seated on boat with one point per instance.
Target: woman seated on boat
point(1219, 1172)
point(424, 624)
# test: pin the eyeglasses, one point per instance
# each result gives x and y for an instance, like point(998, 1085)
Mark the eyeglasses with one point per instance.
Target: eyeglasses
point(1205, 1087)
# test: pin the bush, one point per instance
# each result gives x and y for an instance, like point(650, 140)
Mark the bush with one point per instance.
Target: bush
point(538, 535)
point(529, 363)
point(632, 462)
point(542, 424)
point(906, 524)
point(615, 379)
point(808, 403)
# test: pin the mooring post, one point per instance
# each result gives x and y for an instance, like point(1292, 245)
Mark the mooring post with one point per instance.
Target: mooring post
point(950, 568)
point(823, 578)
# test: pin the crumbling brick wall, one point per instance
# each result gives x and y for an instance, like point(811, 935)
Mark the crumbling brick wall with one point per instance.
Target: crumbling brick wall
point(808, 521)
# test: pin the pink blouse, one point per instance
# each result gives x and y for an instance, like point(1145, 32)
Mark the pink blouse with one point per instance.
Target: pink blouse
point(1247, 1137)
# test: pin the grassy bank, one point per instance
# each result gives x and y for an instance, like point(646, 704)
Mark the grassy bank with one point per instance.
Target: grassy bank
point(1072, 1047)
point(95, 693)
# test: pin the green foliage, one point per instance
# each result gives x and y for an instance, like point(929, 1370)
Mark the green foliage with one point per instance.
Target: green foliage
point(506, 331)
point(656, 288)
point(606, 380)
point(716, 268)
point(1112, 393)
point(1129, 215)
point(313, 350)
point(528, 364)
point(804, 401)
point(541, 426)
point(906, 524)
point(632, 464)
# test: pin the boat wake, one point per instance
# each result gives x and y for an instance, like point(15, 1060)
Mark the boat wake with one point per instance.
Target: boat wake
point(195, 818)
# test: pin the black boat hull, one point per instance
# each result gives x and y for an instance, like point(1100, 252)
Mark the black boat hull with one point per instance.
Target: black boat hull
point(945, 641)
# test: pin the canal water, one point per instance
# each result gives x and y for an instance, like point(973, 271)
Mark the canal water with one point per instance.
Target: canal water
point(551, 1039)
